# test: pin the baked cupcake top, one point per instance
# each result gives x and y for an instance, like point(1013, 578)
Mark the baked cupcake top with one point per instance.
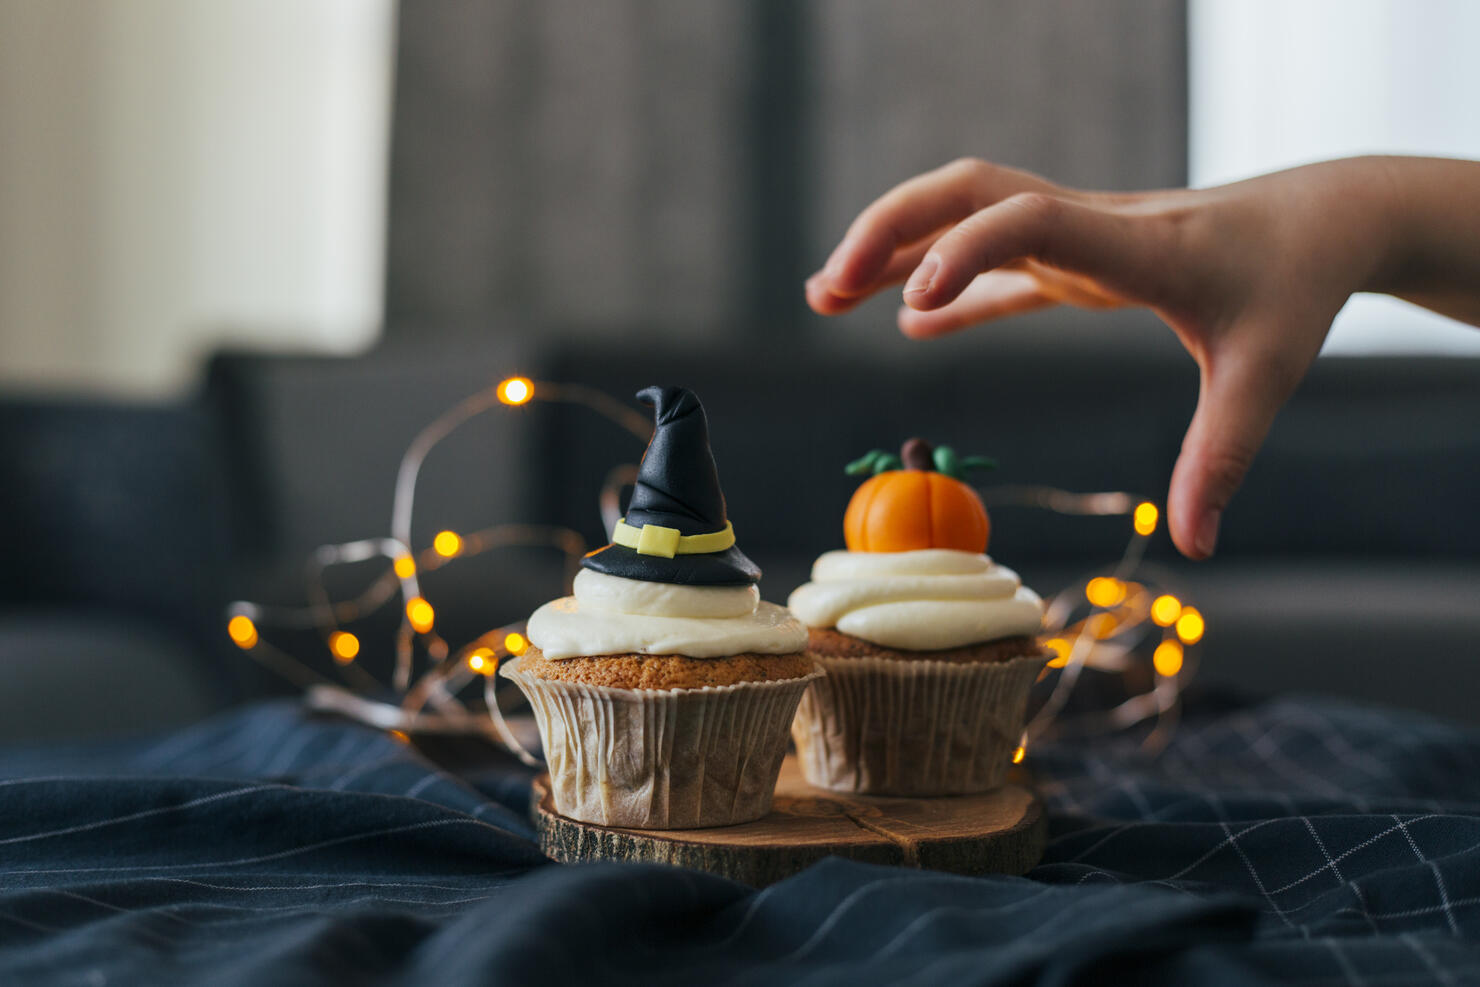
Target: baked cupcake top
point(916, 575)
point(672, 581)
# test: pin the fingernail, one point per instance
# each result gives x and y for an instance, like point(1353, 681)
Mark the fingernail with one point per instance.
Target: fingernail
point(1207, 533)
point(924, 274)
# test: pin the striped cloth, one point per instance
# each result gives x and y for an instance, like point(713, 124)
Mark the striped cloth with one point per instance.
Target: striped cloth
point(1297, 841)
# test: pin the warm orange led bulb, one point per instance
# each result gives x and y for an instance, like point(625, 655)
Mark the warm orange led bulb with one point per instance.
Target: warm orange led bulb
point(447, 544)
point(420, 613)
point(1145, 517)
point(515, 643)
point(242, 631)
point(515, 390)
point(1190, 626)
point(344, 646)
point(1060, 649)
point(1103, 591)
point(1167, 658)
point(1165, 610)
point(479, 661)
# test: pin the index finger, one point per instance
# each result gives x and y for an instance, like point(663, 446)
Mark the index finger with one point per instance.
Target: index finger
point(913, 210)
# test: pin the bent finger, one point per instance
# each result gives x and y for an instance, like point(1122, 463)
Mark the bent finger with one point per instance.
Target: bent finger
point(993, 295)
point(916, 209)
point(1237, 404)
point(824, 301)
point(1125, 252)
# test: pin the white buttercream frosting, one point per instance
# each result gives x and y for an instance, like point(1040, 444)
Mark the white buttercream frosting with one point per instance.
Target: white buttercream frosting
point(611, 615)
point(925, 600)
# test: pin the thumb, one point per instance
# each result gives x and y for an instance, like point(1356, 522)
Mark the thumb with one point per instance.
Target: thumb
point(1236, 405)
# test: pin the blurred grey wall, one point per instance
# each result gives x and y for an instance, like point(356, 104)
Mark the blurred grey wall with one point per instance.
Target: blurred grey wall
point(586, 169)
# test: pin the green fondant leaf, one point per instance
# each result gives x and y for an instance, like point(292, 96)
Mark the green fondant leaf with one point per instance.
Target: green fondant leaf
point(977, 463)
point(946, 462)
point(863, 464)
point(887, 462)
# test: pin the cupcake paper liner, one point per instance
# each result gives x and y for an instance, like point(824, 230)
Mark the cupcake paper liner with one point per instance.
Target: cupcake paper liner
point(891, 727)
point(662, 759)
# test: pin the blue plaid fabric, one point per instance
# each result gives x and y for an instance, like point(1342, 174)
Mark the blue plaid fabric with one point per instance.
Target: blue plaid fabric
point(1299, 841)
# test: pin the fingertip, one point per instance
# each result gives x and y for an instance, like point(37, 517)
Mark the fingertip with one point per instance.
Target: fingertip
point(1192, 520)
point(824, 302)
point(1183, 512)
point(1205, 540)
point(818, 298)
point(917, 325)
point(925, 299)
point(812, 292)
point(1195, 539)
point(908, 325)
point(855, 266)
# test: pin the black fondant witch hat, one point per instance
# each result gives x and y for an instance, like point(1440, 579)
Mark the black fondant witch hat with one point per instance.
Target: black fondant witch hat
point(675, 529)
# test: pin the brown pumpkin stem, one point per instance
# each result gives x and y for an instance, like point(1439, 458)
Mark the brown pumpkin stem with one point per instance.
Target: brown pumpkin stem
point(917, 454)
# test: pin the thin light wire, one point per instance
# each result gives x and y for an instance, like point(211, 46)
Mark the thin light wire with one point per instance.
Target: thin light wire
point(326, 616)
point(1162, 704)
point(439, 686)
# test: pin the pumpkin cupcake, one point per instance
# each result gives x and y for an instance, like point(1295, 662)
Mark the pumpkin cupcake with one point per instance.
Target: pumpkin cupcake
point(930, 647)
point(663, 688)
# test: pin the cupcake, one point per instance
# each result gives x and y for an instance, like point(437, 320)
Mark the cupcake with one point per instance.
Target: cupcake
point(663, 688)
point(930, 647)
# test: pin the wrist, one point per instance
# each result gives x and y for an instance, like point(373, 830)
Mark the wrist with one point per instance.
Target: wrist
point(1393, 225)
point(1430, 239)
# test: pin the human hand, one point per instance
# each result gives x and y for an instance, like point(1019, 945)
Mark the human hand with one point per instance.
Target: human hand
point(1248, 275)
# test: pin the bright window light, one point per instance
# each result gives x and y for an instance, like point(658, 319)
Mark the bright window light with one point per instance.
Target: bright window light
point(1275, 84)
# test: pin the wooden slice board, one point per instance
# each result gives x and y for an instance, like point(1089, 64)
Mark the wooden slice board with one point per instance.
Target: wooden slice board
point(1001, 832)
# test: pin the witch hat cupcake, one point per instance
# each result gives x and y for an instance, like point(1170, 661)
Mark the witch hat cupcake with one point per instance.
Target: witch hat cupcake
point(663, 687)
point(676, 529)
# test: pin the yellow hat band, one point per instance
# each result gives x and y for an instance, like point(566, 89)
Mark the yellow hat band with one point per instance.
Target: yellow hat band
point(654, 539)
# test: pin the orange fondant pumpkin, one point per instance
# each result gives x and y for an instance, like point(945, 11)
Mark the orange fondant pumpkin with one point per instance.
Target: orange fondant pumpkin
point(909, 509)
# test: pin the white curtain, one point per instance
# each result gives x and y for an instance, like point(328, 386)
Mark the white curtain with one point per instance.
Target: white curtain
point(180, 174)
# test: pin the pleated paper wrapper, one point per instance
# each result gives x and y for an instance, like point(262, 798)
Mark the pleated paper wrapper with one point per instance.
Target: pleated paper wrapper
point(890, 727)
point(662, 759)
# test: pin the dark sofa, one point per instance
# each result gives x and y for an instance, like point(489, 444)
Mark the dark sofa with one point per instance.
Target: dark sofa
point(1350, 562)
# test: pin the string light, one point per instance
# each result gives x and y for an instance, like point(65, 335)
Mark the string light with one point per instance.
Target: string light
point(1101, 626)
point(1167, 658)
point(242, 631)
point(344, 646)
point(447, 544)
point(1190, 626)
point(1104, 641)
point(1104, 591)
point(1111, 639)
point(420, 615)
point(1165, 610)
point(1060, 649)
point(515, 390)
point(429, 702)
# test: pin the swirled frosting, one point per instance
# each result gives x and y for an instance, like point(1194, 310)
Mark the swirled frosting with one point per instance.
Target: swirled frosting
point(612, 615)
point(925, 600)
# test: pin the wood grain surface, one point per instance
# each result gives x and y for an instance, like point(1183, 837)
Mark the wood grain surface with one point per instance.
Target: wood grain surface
point(1001, 832)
